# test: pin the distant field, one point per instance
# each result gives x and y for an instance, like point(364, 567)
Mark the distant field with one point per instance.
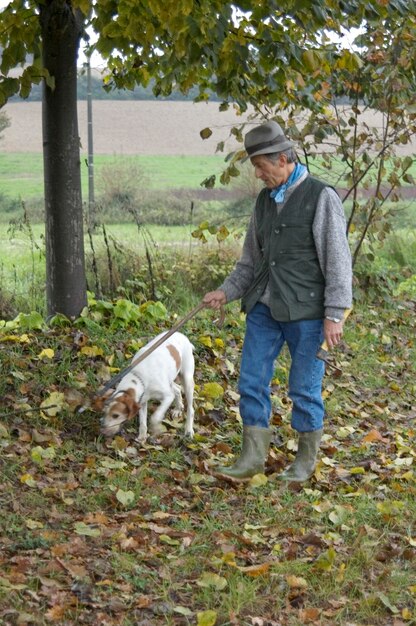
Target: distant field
point(163, 138)
point(21, 174)
point(130, 127)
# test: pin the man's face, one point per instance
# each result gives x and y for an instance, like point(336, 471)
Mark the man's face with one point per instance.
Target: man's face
point(272, 173)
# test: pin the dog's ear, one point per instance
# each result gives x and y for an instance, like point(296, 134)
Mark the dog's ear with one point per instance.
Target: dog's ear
point(131, 404)
point(97, 403)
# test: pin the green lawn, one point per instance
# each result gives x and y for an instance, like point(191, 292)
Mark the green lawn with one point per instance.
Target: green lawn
point(21, 174)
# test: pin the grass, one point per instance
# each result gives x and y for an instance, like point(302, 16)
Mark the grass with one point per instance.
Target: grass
point(22, 261)
point(21, 174)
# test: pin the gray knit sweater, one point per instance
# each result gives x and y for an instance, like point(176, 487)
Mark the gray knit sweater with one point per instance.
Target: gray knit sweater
point(329, 232)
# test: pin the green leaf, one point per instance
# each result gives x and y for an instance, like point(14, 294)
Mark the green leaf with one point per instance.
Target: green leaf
point(325, 561)
point(183, 610)
point(126, 498)
point(82, 529)
point(212, 581)
point(169, 540)
point(30, 321)
point(39, 454)
point(209, 182)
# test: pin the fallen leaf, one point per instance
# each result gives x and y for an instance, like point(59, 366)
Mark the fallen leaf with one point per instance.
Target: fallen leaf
point(309, 615)
point(258, 480)
point(373, 435)
point(212, 580)
point(255, 570)
point(83, 529)
point(47, 353)
point(206, 618)
point(296, 582)
point(125, 497)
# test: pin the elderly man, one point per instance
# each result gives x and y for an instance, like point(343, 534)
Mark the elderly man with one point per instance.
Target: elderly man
point(295, 280)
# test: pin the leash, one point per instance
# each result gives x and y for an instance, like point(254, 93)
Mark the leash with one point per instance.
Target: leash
point(158, 343)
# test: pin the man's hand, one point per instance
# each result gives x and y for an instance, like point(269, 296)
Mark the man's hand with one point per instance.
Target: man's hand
point(214, 299)
point(333, 332)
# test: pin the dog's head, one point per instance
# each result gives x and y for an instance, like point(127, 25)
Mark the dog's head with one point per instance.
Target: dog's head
point(117, 408)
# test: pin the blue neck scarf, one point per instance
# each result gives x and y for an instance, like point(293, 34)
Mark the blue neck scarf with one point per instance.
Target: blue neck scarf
point(278, 193)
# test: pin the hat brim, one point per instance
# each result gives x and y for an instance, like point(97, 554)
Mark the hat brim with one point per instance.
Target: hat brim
point(273, 149)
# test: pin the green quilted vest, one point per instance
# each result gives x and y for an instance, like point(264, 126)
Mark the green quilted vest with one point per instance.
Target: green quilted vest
point(290, 262)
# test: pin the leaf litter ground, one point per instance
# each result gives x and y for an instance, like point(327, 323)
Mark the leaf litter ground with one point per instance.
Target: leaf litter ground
point(107, 532)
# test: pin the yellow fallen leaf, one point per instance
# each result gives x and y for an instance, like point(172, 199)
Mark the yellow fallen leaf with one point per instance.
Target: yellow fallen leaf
point(296, 582)
point(53, 404)
point(206, 618)
point(205, 340)
point(47, 353)
point(16, 338)
point(212, 391)
point(255, 570)
point(27, 479)
point(92, 351)
point(258, 480)
point(341, 573)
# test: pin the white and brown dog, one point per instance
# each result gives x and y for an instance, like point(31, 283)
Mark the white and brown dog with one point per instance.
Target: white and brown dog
point(153, 379)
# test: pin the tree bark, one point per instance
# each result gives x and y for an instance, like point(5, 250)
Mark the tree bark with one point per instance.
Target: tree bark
point(61, 28)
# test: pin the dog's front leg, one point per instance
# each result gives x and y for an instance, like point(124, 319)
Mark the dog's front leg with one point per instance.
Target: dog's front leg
point(142, 423)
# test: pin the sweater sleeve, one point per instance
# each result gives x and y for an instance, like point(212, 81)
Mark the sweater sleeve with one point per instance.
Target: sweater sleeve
point(329, 231)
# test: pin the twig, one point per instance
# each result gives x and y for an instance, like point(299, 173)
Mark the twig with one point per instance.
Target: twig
point(35, 410)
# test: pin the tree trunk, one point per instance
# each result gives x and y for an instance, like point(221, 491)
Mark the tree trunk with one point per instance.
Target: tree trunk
point(61, 28)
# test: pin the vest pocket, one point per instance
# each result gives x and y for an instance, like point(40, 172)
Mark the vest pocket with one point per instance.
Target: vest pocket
point(310, 294)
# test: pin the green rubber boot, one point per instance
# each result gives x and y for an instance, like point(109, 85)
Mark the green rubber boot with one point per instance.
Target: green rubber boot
point(305, 462)
point(254, 452)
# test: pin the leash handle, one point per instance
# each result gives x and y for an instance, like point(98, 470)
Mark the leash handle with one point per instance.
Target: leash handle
point(145, 354)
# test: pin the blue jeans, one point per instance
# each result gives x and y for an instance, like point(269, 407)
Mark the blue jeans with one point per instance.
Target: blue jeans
point(263, 342)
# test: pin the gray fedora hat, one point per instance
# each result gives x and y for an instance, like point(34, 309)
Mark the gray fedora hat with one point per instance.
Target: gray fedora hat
point(265, 139)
